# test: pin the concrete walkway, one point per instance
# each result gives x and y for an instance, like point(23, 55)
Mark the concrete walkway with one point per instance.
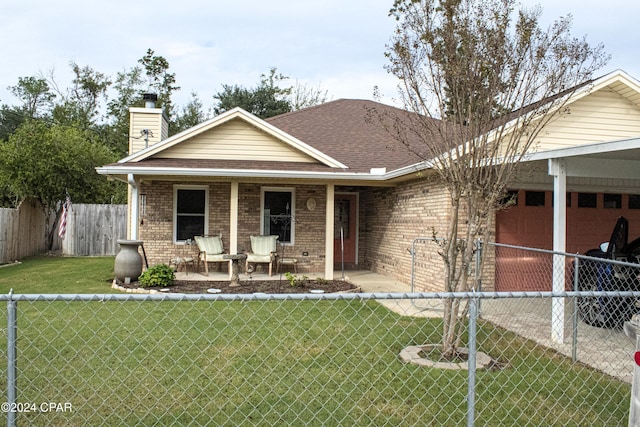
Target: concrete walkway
point(376, 283)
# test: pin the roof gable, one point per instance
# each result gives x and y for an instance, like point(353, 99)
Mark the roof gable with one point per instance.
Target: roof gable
point(602, 116)
point(591, 112)
point(235, 140)
point(235, 135)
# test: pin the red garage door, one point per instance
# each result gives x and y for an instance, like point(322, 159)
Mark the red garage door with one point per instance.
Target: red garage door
point(529, 222)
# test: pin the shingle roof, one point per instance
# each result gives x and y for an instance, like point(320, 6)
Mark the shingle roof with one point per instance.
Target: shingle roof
point(350, 132)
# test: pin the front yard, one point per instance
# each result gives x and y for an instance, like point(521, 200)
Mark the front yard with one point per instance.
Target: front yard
point(271, 363)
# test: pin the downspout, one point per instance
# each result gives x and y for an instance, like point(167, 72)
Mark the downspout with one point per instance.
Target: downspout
point(134, 214)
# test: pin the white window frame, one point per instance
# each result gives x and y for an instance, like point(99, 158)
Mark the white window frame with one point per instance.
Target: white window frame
point(292, 210)
point(176, 188)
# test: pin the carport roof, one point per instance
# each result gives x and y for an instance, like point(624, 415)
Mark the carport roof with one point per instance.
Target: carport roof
point(614, 159)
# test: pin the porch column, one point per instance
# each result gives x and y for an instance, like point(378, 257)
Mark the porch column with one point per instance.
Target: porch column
point(557, 168)
point(233, 218)
point(134, 214)
point(328, 234)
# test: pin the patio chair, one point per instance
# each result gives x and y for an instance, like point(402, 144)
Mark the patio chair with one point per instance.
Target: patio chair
point(263, 251)
point(210, 249)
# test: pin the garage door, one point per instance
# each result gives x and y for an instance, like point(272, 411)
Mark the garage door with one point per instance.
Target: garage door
point(529, 222)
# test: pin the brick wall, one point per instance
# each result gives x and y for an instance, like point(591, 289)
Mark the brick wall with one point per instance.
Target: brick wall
point(156, 228)
point(391, 218)
point(309, 225)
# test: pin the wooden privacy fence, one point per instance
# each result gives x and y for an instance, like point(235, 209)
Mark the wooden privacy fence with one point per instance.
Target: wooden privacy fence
point(22, 231)
point(92, 230)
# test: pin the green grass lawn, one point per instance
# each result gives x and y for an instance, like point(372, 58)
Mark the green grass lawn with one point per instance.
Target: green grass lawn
point(60, 275)
point(271, 363)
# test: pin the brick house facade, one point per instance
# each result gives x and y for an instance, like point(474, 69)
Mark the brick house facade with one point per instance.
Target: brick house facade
point(332, 152)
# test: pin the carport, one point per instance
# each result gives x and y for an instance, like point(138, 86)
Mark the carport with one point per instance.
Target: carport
point(616, 160)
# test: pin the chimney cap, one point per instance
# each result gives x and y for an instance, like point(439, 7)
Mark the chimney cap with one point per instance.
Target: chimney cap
point(149, 100)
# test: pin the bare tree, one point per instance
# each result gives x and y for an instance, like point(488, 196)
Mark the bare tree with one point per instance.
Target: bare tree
point(304, 96)
point(481, 81)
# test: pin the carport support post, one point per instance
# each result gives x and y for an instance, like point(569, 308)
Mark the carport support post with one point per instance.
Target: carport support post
point(557, 168)
point(631, 329)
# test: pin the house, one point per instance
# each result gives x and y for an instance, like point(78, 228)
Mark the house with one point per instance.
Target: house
point(337, 188)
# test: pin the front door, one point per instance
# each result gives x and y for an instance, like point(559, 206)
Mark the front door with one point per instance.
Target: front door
point(345, 231)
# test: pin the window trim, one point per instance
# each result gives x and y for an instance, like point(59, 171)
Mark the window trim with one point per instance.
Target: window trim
point(178, 187)
point(290, 190)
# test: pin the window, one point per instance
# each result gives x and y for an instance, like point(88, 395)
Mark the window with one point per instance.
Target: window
point(613, 201)
point(277, 214)
point(534, 198)
point(190, 212)
point(587, 200)
point(634, 201)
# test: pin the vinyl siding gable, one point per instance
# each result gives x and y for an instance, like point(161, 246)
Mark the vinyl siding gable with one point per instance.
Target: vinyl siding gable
point(235, 140)
point(601, 116)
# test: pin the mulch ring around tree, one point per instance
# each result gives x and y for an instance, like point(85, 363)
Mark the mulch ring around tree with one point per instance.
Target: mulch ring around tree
point(246, 287)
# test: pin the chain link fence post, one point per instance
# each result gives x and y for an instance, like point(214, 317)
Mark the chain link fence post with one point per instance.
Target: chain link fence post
point(471, 360)
point(11, 359)
point(574, 323)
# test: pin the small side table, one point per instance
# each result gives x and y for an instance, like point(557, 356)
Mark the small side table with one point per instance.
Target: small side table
point(185, 261)
point(235, 259)
point(287, 261)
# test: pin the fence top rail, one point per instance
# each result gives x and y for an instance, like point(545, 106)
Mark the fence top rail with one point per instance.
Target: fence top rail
point(504, 245)
point(568, 255)
point(298, 296)
point(545, 251)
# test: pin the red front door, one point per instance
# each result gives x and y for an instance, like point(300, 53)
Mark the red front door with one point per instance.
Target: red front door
point(345, 232)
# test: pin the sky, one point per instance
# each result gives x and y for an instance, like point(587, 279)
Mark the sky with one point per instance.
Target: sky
point(336, 46)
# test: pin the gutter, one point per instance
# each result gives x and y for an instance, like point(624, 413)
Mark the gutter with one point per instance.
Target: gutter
point(373, 175)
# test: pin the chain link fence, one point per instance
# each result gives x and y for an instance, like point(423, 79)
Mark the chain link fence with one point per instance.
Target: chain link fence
point(528, 357)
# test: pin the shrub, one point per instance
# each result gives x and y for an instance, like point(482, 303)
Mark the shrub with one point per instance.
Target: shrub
point(294, 281)
point(158, 275)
